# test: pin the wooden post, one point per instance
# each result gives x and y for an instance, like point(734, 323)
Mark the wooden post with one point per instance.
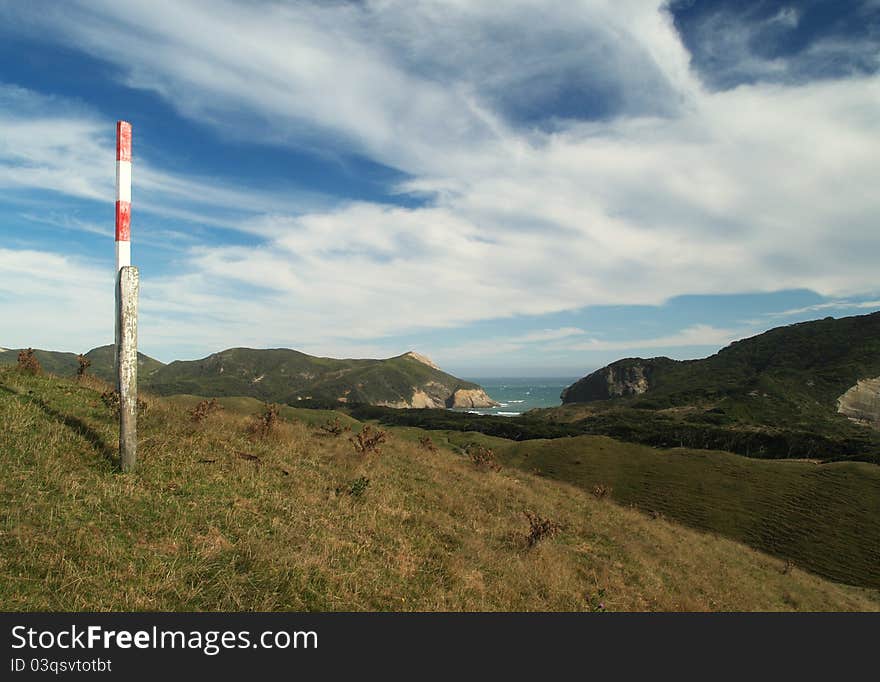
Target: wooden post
point(127, 285)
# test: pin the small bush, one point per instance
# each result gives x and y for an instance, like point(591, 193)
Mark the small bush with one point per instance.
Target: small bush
point(111, 400)
point(596, 602)
point(540, 528)
point(368, 440)
point(83, 365)
point(204, 409)
point(483, 458)
point(333, 428)
point(426, 443)
point(27, 362)
point(265, 423)
point(358, 486)
point(601, 490)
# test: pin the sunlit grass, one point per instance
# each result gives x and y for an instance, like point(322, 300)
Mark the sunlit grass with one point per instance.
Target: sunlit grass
point(216, 519)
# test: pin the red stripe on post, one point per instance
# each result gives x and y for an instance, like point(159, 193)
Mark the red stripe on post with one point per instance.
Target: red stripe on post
point(123, 141)
point(123, 221)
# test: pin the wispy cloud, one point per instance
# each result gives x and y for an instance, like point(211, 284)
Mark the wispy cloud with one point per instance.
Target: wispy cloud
point(676, 189)
point(829, 305)
point(53, 301)
point(695, 335)
point(56, 144)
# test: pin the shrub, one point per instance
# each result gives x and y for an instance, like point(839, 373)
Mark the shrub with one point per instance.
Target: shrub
point(84, 364)
point(204, 409)
point(426, 443)
point(601, 490)
point(111, 400)
point(368, 440)
point(483, 458)
point(265, 423)
point(333, 428)
point(596, 602)
point(540, 528)
point(356, 488)
point(27, 362)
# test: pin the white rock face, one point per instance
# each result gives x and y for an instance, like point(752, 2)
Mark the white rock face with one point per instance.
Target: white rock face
point(861, 403)
point(627, 381)
point(471, 397)
point(463, 397)
point(424, 359)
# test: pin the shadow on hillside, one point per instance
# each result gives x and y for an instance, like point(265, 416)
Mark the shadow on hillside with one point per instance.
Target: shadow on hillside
point(74, 423)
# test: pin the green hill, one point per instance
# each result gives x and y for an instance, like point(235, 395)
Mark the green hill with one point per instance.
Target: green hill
point(65, 364)
point(217, 517)
point(102, 364)
point(773, 395)
point(285, 376)
point(288, 376)
point(54, 362)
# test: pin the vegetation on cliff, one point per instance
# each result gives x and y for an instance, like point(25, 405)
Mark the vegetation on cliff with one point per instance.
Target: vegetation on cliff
point(772, 395)
point(285, 376)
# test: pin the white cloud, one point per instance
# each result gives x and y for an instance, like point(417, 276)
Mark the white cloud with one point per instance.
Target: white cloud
point(54, 302)
point(830, 305)
point(679, 190)
point(695, 335)
point(53, 143)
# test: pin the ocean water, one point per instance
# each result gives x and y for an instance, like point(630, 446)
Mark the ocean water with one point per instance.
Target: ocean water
point(519, 394)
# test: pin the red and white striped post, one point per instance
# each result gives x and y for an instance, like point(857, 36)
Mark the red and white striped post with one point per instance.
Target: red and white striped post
point(123, 194)
point(127, 284)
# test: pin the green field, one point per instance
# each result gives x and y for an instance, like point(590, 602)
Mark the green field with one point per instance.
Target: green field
point(217, 518)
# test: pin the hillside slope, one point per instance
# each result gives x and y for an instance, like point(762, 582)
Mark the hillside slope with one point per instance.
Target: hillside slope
point(777, 394)
point(217, 519)
point(288, 376)
point(54, 362)
point(285, 376)
point(66, 364)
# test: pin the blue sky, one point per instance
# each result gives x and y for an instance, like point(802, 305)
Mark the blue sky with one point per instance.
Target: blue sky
point(512, 188)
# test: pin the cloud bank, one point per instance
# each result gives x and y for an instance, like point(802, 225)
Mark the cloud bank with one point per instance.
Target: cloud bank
point(566, 154)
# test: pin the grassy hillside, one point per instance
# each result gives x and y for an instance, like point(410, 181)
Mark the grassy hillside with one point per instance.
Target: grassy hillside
point(288, 376)
point(66, 364)
point(103, 364)
point(279, 375)
point(823, 517)
point(772, 395)
point(218, 518)
point(54, 362)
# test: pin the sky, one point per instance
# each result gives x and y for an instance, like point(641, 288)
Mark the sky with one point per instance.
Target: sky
point(513, 188)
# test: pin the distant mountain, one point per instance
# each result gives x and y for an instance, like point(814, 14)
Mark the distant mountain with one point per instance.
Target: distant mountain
point(285, 376)
point(288, 376)
point(54, 362)
point(800, 390)
point(66, 364)
point(102, 364)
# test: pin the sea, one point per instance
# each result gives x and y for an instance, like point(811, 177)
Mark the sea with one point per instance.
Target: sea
point(520, 394)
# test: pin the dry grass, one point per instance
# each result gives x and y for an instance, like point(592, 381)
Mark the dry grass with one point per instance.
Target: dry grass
point(197, 527)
